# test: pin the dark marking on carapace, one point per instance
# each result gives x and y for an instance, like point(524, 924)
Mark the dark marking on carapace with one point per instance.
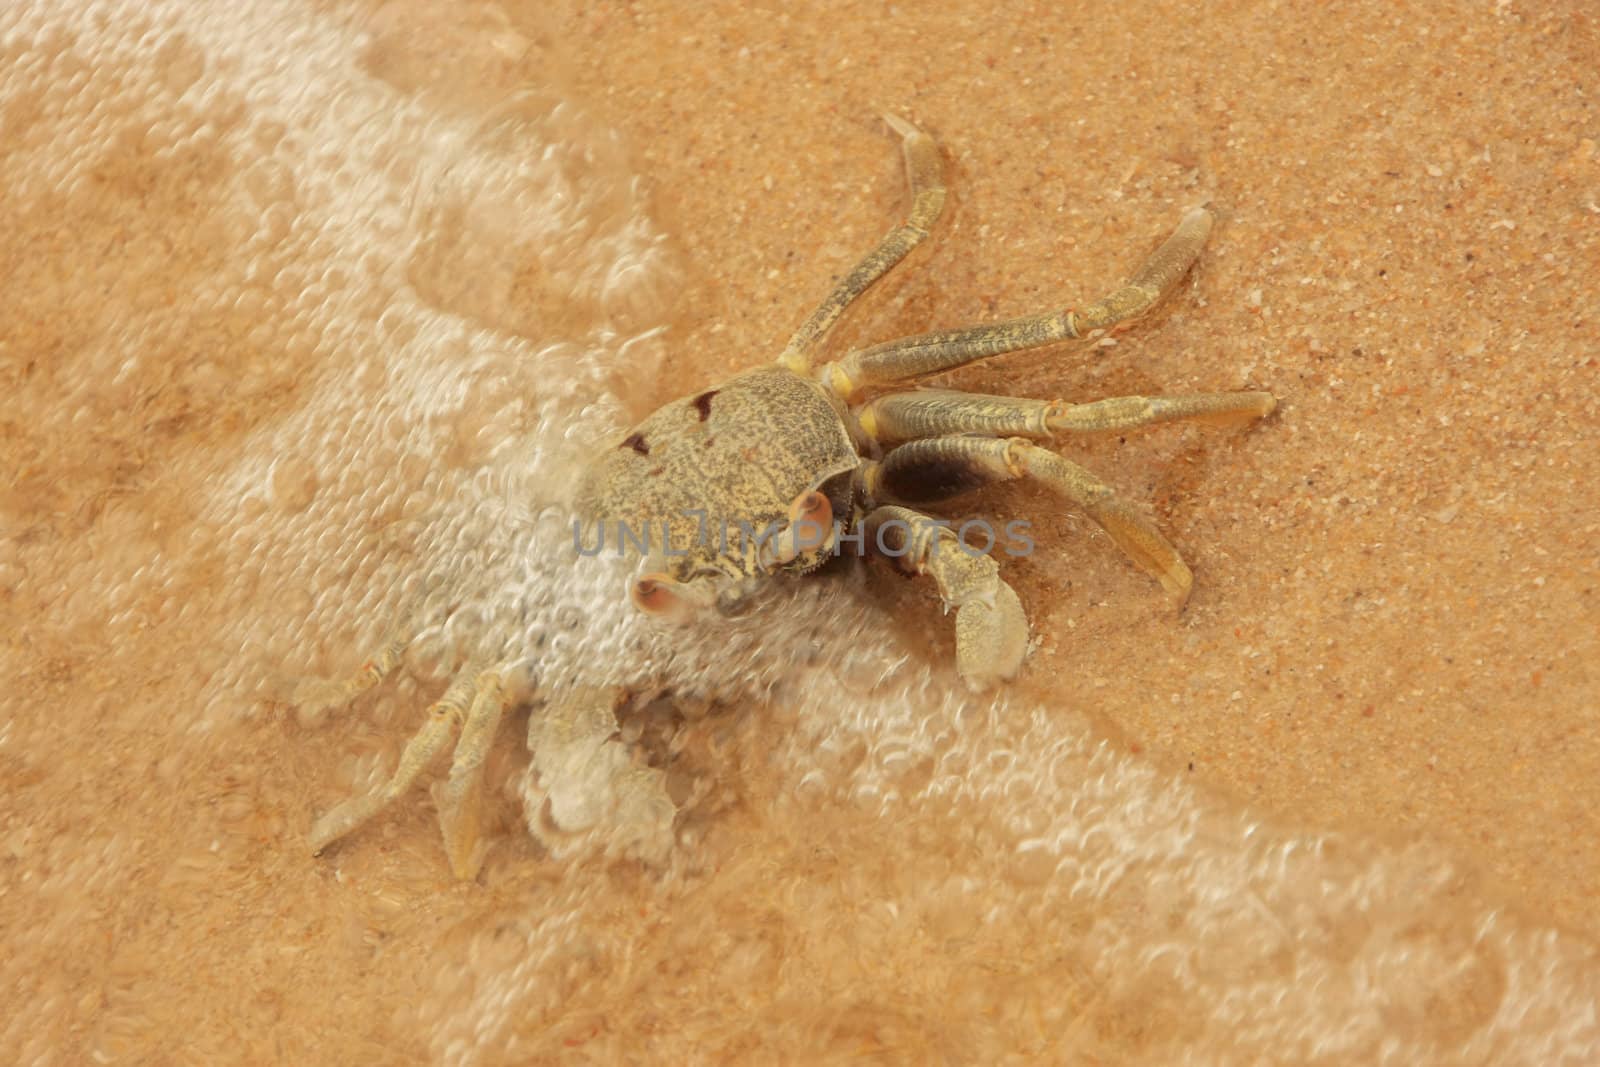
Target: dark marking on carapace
point(635, 441)
point(702, 404)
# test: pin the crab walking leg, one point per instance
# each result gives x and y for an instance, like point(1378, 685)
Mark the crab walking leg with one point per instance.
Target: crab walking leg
point(940, 467)
point(929, 353)
point(315, 697)
point(934, 413)
point(924, 174)
point(991, 630)
point(460, 797)
point(443, 718)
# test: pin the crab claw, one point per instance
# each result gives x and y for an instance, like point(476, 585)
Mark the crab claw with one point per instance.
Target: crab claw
point(991, 638)
point(584, 789)
point(991, 630)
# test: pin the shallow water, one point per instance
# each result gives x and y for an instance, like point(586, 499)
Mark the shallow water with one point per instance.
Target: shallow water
point(313, 314)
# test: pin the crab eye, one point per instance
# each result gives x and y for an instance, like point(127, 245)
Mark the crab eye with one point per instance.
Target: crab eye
point(654, 595)
point(658, 593)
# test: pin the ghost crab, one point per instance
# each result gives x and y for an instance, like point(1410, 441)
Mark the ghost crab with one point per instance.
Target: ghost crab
point(792, 449)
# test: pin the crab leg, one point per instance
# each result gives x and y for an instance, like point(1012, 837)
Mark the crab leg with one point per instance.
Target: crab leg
point(443, 718)
point(316, 697)
point(991, 630)
point(460, 797)
point(937, 468)
point(924, 174)
point(929, 353)
point(932, 413)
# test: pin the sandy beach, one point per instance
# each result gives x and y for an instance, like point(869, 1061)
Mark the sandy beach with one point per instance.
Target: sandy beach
point(313, 312)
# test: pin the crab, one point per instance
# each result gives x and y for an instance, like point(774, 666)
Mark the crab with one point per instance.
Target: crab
point(780, 468)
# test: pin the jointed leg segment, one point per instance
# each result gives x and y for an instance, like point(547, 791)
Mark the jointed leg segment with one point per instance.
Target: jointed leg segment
point(474, 703)
point(937, 468)
point(930, 353)
point(315, 698)
point(924, 173)
point(935, 412)
point(460, 797)
point(1154, 279)
point(442, 720)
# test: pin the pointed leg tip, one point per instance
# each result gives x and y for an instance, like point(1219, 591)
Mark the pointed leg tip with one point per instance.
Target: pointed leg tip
point(899, 125)
point(463, 841)
point(1201, 218)
point(320, 837)
point(466, 867)
point(1178, 583)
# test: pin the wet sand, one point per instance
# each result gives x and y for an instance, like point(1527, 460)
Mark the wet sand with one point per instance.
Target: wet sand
point(1341, 808)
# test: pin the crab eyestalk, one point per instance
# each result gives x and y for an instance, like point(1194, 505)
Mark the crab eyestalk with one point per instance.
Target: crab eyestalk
point(663, 595)
point(808, 531)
